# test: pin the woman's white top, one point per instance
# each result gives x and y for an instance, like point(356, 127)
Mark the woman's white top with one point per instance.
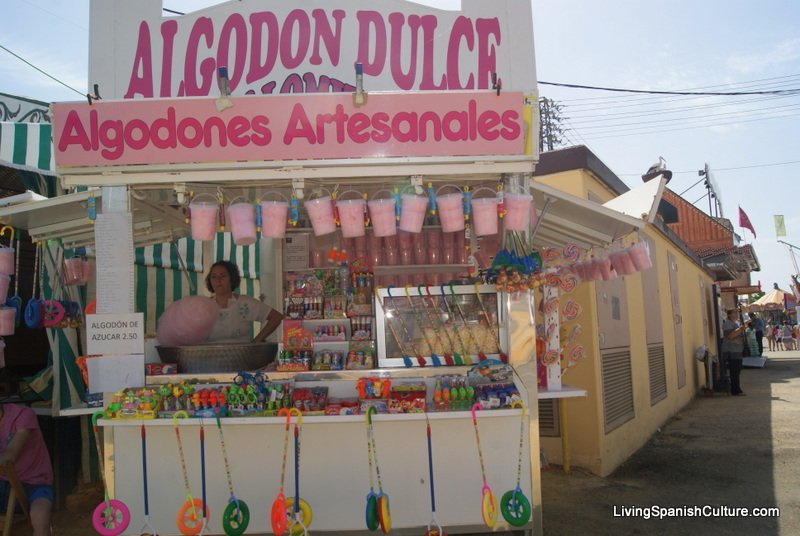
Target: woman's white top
point(235, 322)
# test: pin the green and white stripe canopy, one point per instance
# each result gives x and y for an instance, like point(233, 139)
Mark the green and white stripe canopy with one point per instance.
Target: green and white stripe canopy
point(27, 147)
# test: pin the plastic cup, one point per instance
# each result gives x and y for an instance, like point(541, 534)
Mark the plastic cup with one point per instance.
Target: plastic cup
point(451, 212)
point(418, 246)
point(351, 217)
point(434, 239)
point(518, 215)
point(242, 221)
point(88, 270)
point(484, 216)
point(412, 212)
point(203, 219)
point(622, 263)
point(320, 211)
point(274, 215)
point(640, 256)
point(381, 212)
point(6, 260)
point(73, 271)
point(448, 248)
point(4, 283)
point(7, 320)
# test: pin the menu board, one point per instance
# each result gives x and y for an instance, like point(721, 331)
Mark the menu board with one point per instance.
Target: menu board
point(113, 234)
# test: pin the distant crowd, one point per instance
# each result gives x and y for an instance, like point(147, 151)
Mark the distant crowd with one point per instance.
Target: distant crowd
point(781, 336)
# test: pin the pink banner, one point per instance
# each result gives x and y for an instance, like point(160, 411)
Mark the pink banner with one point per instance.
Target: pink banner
point(291, 127)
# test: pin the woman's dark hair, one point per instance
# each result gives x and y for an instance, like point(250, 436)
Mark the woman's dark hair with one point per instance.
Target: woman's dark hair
point(233, 273)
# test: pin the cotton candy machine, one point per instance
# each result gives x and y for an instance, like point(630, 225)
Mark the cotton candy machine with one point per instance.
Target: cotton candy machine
point(219, 357)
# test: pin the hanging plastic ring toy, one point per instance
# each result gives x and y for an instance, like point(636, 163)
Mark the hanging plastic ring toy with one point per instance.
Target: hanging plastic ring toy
point(187, 520)
point(111, 517)
point(304, 513)
point(515, 507)
point(53, 313)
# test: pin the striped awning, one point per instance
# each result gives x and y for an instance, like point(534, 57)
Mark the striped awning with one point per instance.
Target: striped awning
point(27, 147)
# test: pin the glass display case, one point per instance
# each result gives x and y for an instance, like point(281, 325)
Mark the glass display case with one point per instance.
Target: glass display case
point(441, 325)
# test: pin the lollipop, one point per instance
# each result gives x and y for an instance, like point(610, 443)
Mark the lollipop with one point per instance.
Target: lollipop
point(571, 252)
point(568, 283)
point(571, 310)
point(576, 354)
point(550, 357)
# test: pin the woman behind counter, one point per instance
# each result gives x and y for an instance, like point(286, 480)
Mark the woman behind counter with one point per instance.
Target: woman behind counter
point(236, 312)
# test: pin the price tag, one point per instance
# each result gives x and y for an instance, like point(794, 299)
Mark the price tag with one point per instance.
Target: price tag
point(119, 333)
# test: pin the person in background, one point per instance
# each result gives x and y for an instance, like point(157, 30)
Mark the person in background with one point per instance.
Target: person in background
point(236, 312)
point(750, 338)
point(770, 337)
point(22, 444)
point(732, 347)
point(786, 336)
point(758, 328)
point(777, 335)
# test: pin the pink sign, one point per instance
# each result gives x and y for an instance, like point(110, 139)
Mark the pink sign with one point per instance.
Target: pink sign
point(291, 127)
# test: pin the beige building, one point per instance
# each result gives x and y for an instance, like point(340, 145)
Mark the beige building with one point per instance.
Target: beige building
point(641, 333)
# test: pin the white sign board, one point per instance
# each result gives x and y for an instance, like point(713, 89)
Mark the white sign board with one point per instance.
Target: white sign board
point(109, 334)
point(113, 235)
point(115, 372)
point(309, 46)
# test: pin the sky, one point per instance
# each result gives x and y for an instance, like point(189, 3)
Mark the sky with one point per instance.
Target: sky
point(750, 142)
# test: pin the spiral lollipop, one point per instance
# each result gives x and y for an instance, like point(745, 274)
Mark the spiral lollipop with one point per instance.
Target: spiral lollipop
point(576, 354)
point(571, 310)
point(551, 305)
point(571, 253)
point(568, 282)
point(550, 357)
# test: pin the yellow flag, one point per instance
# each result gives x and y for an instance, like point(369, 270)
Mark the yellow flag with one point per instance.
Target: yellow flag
point(780, 225)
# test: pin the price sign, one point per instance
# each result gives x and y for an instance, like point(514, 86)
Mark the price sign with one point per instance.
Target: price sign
point(119, 333)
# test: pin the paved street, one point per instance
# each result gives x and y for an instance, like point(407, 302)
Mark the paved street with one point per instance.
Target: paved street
point(720, 451)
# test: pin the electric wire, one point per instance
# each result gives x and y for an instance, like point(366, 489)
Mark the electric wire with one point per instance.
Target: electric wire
point(48, 75)
point(657, 92)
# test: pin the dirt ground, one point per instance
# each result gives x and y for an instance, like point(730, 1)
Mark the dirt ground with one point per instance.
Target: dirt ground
point(736, 452)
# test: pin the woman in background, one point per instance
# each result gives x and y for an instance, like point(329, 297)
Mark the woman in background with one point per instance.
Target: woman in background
point(236, 312)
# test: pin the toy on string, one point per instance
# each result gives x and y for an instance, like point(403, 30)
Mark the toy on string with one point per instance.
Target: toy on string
point(381, 503)
point(91, 209)
point(455, 358)
point(420, 359)
point(111, 517)
point(514, 505)
point(221, 211)
point(488, 500)
point(435, 358)
point(193, 514)
point(278, 516)
point(33, 311)
point(147, 528)
point(431, 199)
point(371, 511)
point(406, 359)
point(236, 516)
point(458, 333)
point(434, 528)
point(294, 210)
point(301, 511)
point(478, 350)
point(15, 301)
point(492, 326)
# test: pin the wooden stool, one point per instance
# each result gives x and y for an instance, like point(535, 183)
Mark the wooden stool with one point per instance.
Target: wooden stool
point(16, 494)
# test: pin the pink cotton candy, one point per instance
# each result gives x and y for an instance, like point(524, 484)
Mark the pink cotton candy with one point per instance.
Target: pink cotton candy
point(187, 321)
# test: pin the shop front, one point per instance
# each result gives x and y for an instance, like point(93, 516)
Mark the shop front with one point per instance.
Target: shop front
point(418, 265)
